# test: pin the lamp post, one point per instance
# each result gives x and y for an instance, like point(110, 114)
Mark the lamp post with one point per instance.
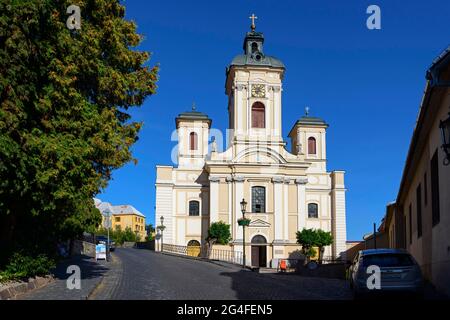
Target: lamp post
point(243, 208)
point(107, 214)
point(445, 131)
point(162, 227)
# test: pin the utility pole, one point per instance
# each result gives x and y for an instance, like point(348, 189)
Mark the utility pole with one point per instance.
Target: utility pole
point(374, 235)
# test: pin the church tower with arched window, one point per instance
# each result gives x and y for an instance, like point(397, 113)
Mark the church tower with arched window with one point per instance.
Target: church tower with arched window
point(286, 191)
point(254, 85)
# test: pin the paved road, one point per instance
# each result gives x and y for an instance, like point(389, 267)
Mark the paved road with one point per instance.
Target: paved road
point(145, 274)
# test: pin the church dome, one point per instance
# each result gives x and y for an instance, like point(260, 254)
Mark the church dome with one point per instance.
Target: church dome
point(307, 120)
point(267, 61)
point(193, 115)
point(254, 53)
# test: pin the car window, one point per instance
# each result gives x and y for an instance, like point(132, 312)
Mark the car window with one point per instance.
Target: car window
point(388, 260)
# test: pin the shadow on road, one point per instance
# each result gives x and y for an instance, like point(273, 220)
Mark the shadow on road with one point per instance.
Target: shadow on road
point(89, 267)
point(251, 285)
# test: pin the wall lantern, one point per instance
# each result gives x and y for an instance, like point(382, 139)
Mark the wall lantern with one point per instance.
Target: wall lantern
point(445, 131)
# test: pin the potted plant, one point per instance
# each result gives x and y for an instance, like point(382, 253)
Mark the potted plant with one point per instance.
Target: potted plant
point(244, 222)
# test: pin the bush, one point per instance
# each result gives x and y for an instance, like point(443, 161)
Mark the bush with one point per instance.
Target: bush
point(22, 266)
point(119, 236)
point(219, 232)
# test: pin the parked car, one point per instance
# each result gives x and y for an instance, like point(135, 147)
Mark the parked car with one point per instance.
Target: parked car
point(399, 272)
point(104, 240)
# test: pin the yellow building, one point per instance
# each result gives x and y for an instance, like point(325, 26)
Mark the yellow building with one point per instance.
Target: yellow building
point(123, 216)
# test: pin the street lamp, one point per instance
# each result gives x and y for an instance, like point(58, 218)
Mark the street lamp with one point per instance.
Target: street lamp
point(107, 214)
point(243, 222)
point(243, 206)
point(162, 227)
point(445, 131)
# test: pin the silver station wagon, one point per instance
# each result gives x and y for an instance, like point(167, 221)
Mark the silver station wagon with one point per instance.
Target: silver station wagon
point(399, 273)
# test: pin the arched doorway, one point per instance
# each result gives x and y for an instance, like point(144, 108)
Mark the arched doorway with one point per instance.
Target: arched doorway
point(193, 248)
point(259, 251)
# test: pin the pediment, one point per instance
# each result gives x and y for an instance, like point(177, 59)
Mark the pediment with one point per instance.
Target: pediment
point(259, 155)
point(258, 223)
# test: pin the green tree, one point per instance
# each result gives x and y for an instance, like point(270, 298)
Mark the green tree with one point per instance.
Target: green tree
point(310, 238)
point(149, 229)
point(323, 239)
point(307, 239)
point(218, 232)
point(120, 236)
point(64, 126)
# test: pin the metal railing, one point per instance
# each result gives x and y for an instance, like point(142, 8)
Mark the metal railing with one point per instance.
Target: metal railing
point(202, 252)
point(227, 256)
point(173, 248)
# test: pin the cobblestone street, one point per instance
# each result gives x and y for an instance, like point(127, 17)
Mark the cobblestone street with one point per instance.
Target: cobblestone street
point(92, 273)
point(144, 274)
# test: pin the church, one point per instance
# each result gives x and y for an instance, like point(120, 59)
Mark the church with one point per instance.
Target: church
point(286, 191)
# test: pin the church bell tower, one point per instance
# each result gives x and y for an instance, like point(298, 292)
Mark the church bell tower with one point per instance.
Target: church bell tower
point(253, 86)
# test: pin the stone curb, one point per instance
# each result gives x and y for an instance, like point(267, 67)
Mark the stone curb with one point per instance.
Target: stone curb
point(14, 289)
point(90, 295)
point(103, 289)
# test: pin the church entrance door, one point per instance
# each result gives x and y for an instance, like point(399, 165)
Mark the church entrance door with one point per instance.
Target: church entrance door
point(259, 251)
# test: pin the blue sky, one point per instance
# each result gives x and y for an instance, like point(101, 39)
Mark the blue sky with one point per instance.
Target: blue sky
point(367, 84)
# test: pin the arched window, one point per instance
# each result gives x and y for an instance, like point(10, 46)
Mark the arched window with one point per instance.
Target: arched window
point(193, 243)
point(254, 47)
point(193, 141)
point(258, 115)
point(258, 199)
point(313, 210)
point(311, 145)
point(259, 239)
point(194, 208)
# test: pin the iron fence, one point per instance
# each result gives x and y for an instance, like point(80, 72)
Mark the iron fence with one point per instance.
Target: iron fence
point(226, 255)
point(202, 252)
point(173, 248)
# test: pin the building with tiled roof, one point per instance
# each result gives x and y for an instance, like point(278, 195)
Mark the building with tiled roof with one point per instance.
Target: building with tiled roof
point(123, 216)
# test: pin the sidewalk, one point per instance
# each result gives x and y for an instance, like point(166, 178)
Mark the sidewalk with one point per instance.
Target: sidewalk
point(107, 288)
point(92, 273)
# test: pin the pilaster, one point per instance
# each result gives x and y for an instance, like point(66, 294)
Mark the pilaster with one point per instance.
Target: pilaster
point(301, 202)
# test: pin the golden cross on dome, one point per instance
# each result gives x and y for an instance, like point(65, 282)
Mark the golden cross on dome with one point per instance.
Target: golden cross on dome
point(253, 18)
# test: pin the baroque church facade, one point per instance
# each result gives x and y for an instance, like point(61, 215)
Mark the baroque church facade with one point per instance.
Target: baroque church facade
point(285, 191)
